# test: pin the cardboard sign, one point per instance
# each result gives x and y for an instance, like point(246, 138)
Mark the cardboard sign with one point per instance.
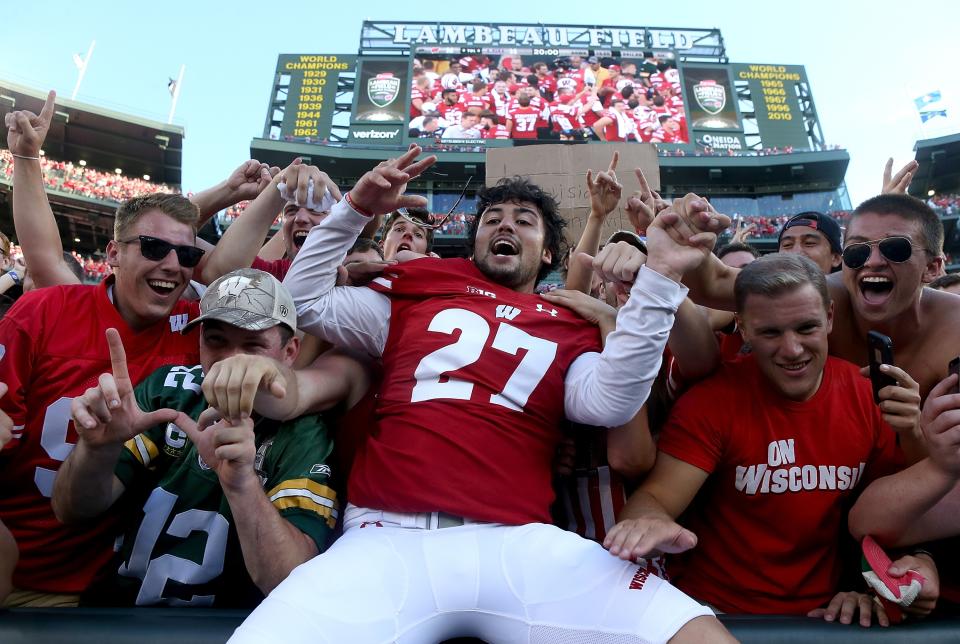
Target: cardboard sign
point(561, 170)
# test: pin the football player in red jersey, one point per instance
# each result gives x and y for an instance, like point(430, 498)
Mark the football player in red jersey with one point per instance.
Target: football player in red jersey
point(53, 350)
point(477, 99)
point(452, 489)
point(490, 127)
point(449, 108)
point(522, 119)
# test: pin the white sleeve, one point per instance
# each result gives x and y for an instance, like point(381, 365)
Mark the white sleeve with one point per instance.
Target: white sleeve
point(607, 389)
point(356, 318)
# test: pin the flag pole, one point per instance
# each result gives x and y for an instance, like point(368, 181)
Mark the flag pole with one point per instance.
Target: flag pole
point(176, 94)
point(83, 70)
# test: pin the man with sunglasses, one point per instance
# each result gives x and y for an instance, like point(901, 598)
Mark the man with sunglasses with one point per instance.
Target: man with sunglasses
point(452, 489)
point(893, 248)
point(51, 343)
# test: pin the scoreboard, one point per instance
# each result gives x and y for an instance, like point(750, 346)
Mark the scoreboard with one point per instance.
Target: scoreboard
point(311, 82)
point(364, 99)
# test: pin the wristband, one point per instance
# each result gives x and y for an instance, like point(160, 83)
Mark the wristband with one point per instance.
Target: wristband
point(20, 156)
point(357, 208)
point(13, 276)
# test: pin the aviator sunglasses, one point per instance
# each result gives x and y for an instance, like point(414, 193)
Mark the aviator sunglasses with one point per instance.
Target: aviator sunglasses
point(156, 249)
point(893, 249)
point(403, 212)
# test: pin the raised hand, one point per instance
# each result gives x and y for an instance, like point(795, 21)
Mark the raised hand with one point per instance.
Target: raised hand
point(297, 178)
point(618, 263)
point(635, 538)
point(605, 190)
point(27, 131)
point(233, 383)
point(744, 230)
point(227, 449)
point(643, 205)
point(249, 180)
point(682, 236)
point(898, 183)
point(380, 191)
point(108, 413)
point(940, 423)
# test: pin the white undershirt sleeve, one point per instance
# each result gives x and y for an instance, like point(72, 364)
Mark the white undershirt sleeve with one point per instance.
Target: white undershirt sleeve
point(356, 318)
point(607, 389)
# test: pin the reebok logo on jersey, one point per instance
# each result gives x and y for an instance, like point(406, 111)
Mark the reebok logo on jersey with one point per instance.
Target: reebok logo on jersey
point(320, 468)
point(178, 321)
point(552, 312)
point(506, 311)
point(639, 579)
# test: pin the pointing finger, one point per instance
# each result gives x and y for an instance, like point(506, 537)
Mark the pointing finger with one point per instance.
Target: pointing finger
point(118, 358)
point(46, 114)
point(613, 162)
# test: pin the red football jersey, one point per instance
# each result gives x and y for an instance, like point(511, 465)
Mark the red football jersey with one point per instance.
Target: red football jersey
point(472, 396)
point(564, 116)
point(415, 93)
point(524, 122)
point(54, 348)
point(469, 101)
point(450, 113)
point(498, 132)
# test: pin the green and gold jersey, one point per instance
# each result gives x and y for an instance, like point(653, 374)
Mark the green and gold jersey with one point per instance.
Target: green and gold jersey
point(182, 548)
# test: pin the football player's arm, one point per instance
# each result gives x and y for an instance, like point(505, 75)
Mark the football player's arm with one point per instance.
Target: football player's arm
point(358, 318)
point(608, 389)
point(647, 524)
point(600, 124)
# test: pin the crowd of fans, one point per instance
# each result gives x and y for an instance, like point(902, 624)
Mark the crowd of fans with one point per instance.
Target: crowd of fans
point(77, 179)
point(672, 424)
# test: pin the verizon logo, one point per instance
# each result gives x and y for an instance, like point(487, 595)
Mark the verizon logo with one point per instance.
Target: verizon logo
point(376, 134)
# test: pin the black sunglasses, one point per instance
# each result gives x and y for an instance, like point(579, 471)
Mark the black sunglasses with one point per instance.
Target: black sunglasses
point(893, 249)
point(156, 249)
point(403, 212)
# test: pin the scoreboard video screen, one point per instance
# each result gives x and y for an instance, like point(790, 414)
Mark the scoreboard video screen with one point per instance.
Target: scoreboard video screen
point(415, 81)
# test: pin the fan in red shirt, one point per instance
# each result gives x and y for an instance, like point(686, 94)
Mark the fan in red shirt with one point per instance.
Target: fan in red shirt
point(522, 119)
point(545, 81)
point(765, 454)
point(564, 113)
point(419, 94)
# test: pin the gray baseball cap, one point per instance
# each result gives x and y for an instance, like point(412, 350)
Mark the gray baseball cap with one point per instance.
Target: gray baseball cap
point(248, 299)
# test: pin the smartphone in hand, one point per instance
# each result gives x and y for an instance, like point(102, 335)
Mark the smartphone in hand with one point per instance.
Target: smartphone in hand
point(881, 352)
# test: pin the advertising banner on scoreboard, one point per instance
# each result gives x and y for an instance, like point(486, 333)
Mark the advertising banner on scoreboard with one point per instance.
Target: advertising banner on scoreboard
point(311, 92)
point(776, 103)
point(710, 98)
point(381, 92)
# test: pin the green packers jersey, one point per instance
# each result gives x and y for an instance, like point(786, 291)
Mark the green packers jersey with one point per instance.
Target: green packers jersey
point(182, 547)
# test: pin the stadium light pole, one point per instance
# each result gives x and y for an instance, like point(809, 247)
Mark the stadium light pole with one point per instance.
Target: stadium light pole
point(176, 94)
point(82, 66)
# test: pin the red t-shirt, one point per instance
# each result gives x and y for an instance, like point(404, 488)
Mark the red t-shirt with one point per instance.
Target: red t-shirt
point(277, 267)
point(524, 122)
point(469, 413)
point(55, 349)
point(771, 515)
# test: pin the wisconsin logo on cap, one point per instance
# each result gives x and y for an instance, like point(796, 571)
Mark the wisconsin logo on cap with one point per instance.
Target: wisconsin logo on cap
point(383, 89)
point(233, 286)
point(710, 96)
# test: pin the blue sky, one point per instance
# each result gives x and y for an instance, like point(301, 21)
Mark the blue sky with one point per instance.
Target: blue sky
point(866, 61)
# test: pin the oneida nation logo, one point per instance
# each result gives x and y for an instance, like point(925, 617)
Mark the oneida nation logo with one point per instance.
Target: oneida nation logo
point(710, 96)
point(383, 89)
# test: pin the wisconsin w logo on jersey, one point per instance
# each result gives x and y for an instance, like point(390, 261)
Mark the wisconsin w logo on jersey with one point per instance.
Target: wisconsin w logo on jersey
point(178, 321)
point(509, 312)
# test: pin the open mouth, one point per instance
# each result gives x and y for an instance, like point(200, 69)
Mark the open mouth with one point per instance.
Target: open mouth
point(875, 288)
point(504, 247)
point(404, 246)
point(299, 237)
point(161, 287)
